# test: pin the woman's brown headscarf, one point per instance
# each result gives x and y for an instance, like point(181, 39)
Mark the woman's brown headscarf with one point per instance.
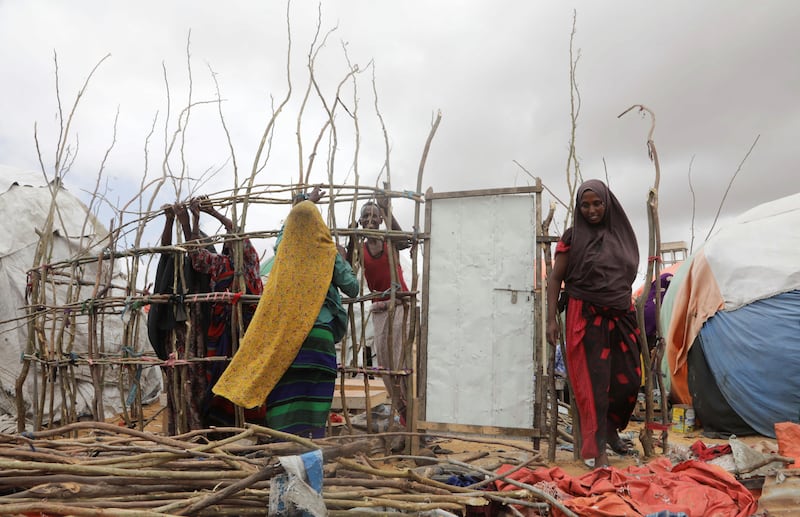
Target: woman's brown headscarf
point(603, 257)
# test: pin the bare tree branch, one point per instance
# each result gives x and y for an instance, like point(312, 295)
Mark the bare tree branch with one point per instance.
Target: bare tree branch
point(730, 183)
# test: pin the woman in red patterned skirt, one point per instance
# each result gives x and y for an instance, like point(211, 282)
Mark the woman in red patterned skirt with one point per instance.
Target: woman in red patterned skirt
point(597, 259)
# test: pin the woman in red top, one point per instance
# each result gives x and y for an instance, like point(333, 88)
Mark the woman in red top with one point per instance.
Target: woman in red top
point(378, 273)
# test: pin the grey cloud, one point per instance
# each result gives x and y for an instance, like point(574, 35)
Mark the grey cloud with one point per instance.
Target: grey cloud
point(717, 74)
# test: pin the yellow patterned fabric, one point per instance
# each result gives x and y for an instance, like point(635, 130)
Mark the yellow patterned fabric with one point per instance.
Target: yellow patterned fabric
point(289, 305)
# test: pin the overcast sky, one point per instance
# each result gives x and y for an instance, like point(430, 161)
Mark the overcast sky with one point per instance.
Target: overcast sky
point(717, 74)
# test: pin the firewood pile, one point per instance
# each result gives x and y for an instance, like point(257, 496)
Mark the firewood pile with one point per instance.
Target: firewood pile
point(96, 468)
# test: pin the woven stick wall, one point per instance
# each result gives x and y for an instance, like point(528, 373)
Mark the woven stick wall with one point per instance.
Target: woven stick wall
point(99, 284)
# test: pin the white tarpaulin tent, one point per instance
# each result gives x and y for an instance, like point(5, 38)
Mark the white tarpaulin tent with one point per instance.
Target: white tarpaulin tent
point(732, 311)
point(25, 201)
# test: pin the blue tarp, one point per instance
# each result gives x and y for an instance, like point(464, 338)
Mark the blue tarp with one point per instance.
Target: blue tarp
point(754, 354)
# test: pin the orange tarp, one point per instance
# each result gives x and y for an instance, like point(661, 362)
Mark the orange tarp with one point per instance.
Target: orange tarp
point(693, 487)
point(697, 299)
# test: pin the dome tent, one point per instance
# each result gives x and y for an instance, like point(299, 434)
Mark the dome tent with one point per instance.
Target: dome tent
point(734, 305)
point(25, 201)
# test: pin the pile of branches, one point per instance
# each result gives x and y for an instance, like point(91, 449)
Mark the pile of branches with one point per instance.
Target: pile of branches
point(96, 468)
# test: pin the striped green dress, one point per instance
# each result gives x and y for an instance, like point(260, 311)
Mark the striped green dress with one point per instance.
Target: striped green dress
point(300, 402)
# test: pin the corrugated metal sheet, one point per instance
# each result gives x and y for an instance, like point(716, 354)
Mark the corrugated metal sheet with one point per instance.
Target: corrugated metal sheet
point(780, 495)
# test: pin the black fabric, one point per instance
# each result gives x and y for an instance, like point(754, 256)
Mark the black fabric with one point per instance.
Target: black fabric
point(563, 301)
point(164, 317)
point(710, 407)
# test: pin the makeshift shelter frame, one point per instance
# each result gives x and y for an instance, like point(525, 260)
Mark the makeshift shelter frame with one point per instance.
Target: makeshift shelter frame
point(48, 349)
point(49, 320)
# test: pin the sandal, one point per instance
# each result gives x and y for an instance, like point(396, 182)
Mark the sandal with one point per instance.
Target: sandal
point(590, 464)
point(620, 446)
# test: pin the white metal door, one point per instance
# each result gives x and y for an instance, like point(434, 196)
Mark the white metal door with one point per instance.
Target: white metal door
point(480, 325)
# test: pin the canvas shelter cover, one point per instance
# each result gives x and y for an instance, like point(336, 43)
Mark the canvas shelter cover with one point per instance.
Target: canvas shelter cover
point(24, 206)
point(739, 292)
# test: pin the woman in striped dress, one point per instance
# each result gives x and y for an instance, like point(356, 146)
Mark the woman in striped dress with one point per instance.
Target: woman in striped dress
point(287, 354)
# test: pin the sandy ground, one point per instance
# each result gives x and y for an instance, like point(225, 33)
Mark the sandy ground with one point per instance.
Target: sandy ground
point(678, 445)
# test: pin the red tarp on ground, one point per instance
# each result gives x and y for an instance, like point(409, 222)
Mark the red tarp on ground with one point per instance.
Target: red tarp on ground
point(695, 488)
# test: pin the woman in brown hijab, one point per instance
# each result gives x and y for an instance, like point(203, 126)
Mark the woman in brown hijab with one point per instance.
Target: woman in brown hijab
point(597, 259)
